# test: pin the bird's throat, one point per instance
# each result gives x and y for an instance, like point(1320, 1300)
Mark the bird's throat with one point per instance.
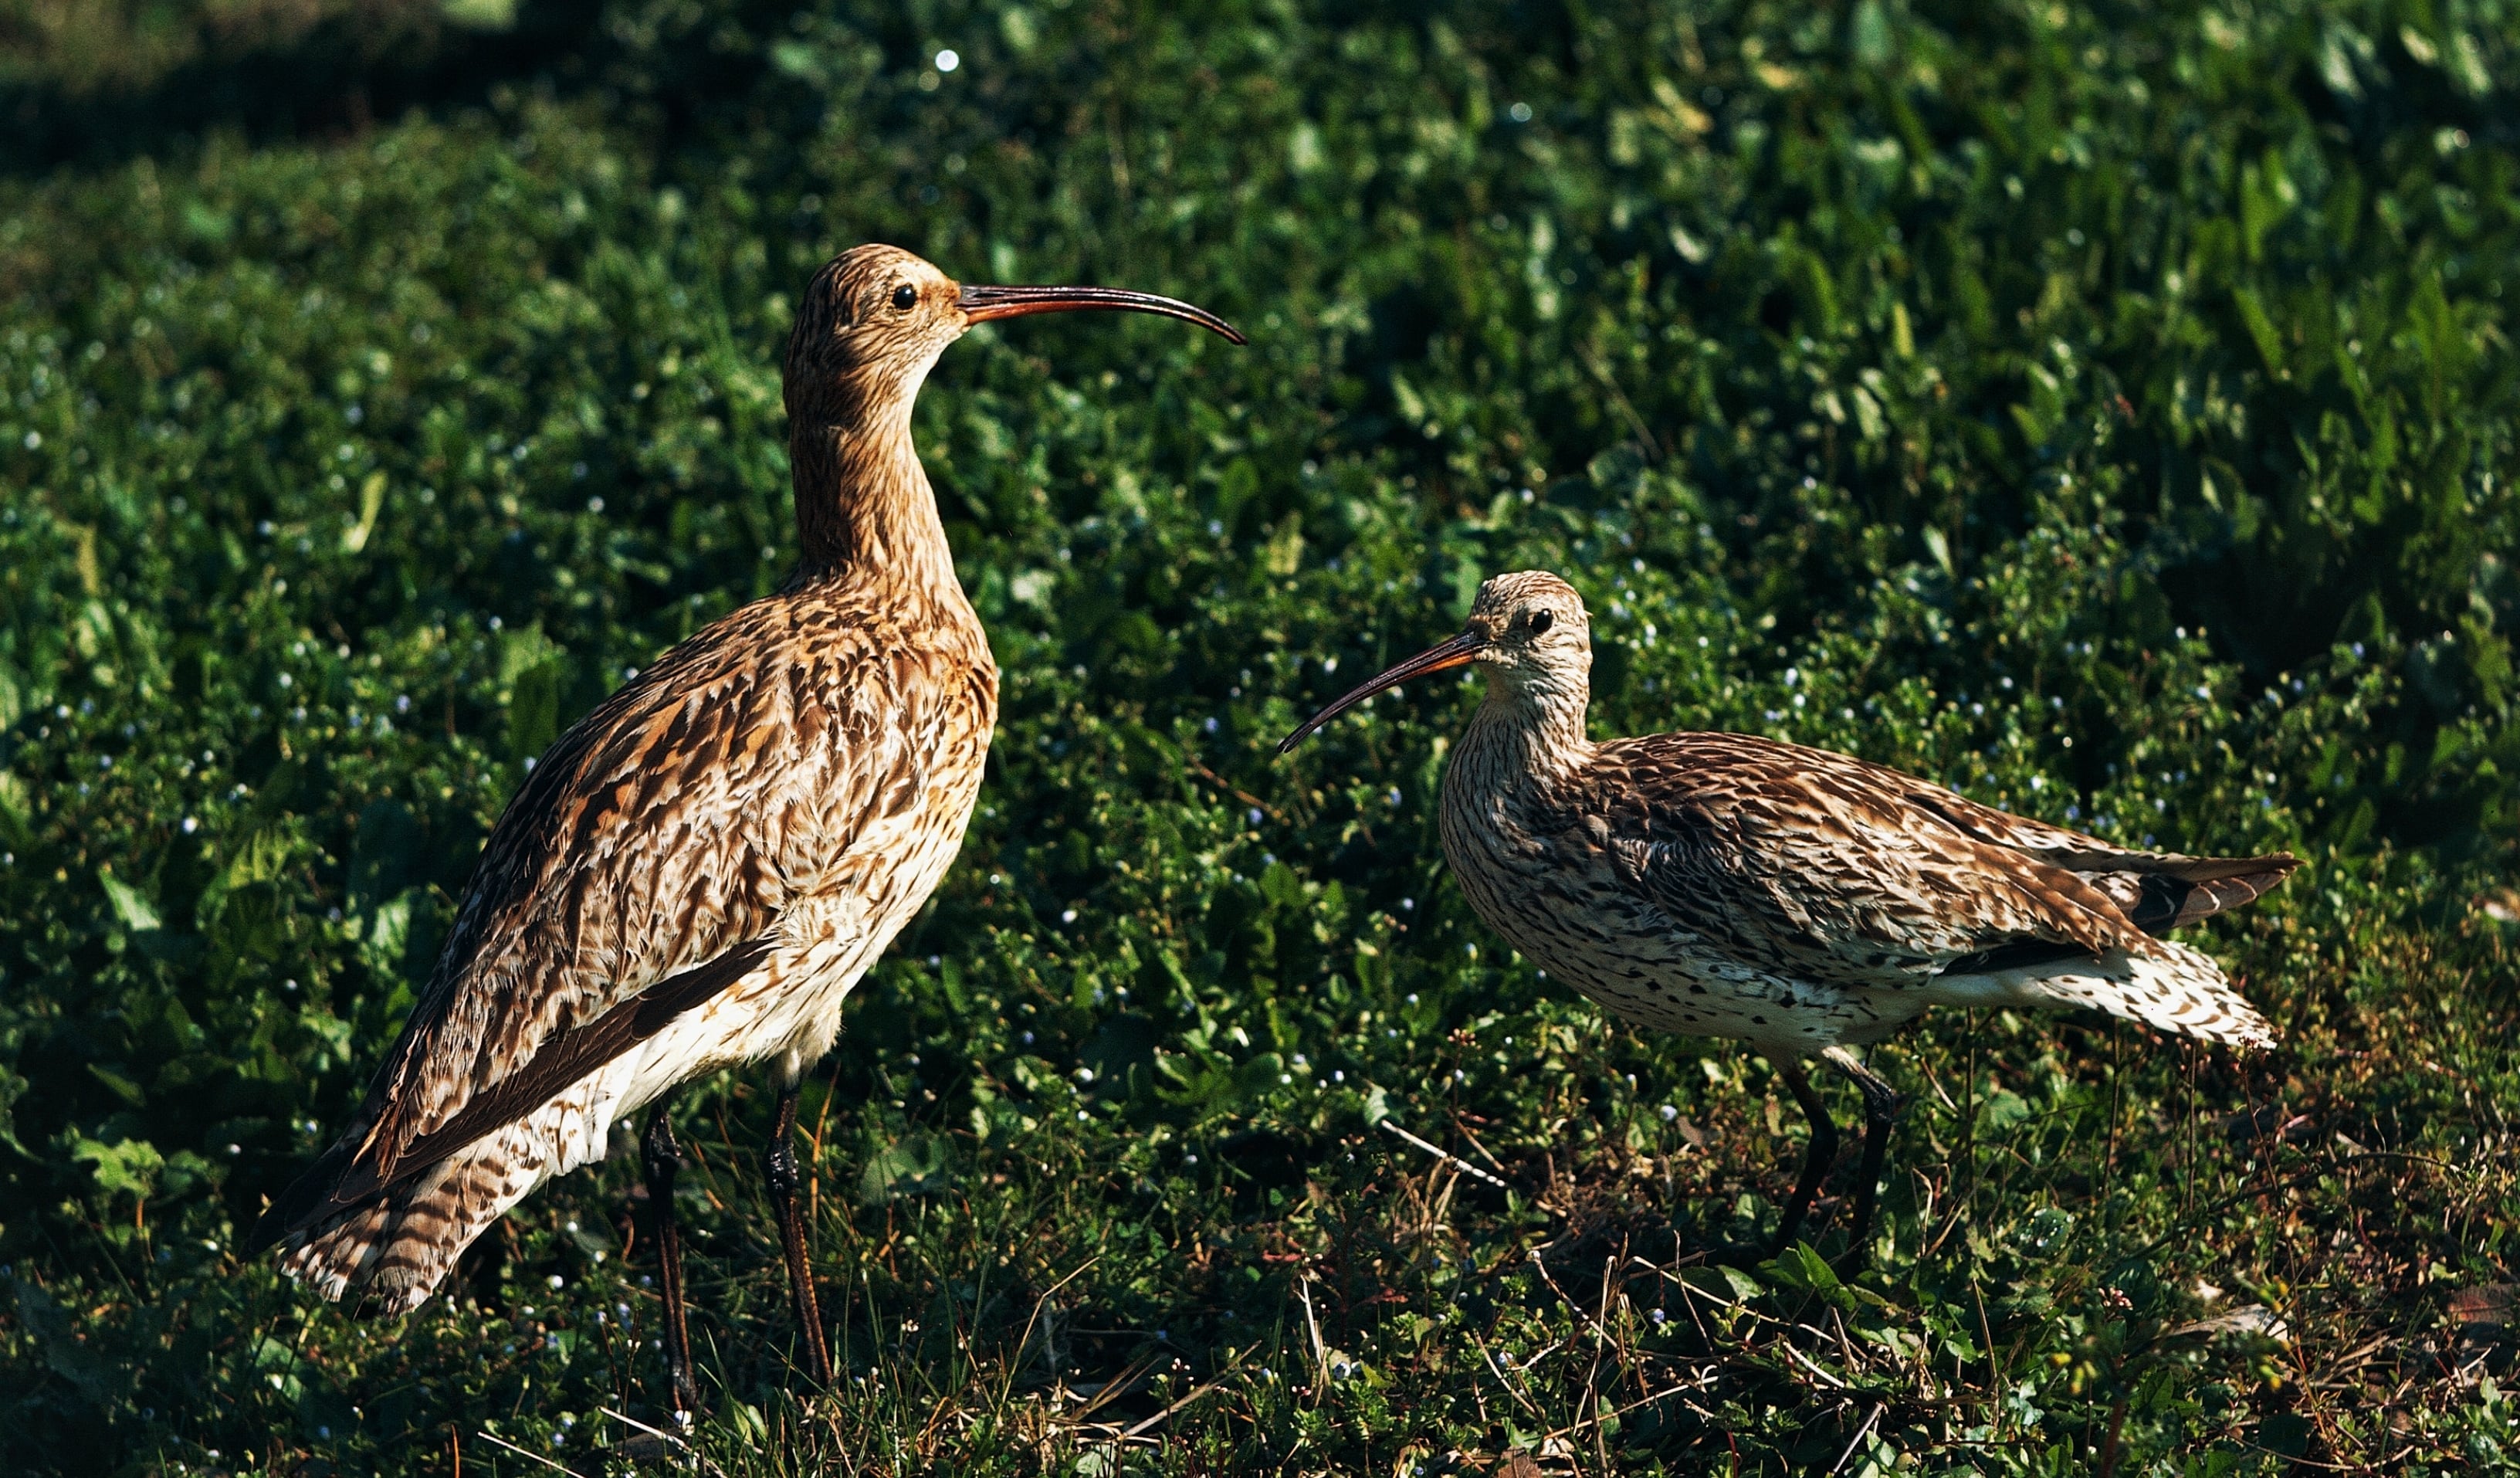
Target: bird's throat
point(1531, 732)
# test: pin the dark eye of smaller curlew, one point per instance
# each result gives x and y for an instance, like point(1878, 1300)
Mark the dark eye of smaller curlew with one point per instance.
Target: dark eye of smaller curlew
point(1541, 621)
point(904, 298)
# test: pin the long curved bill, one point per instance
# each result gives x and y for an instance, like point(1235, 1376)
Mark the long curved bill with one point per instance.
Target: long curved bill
point(1452, 654)
point(980, 304)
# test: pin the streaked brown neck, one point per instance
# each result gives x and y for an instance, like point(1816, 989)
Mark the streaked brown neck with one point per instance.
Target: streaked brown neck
point(1529, 726)
point(863, 501)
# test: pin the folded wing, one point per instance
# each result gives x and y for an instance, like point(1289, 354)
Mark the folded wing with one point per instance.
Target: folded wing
point(1862, 877)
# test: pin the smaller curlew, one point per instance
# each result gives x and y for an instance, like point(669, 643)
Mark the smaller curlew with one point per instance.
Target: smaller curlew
point(696, 874)
point(1801, 901)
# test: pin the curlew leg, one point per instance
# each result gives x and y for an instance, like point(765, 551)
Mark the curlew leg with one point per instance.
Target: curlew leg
point(661, 1157)
point(1880, 1114)
point(1815, 1159)
point(781, 1166)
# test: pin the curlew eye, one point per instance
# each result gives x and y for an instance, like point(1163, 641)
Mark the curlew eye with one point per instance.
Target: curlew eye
point(904, 298)
point(1541, 621)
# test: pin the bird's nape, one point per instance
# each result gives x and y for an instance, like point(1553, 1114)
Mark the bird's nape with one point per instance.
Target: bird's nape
point(980, 304)
point(1461, 650)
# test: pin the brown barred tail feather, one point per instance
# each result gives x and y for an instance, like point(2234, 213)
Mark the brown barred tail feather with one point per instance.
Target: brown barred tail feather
point(392, 1252)
point(2211, 895)
point(2159, 894)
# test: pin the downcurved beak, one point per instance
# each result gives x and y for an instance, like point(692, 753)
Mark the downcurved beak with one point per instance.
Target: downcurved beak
point(1460, 649)
point(980, 304)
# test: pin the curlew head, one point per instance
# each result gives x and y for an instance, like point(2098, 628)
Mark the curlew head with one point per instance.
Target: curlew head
point(1529, 629)
point(875, 318)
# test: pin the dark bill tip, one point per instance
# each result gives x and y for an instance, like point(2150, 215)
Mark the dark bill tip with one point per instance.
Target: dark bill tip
point(980, 304)
point(1452, 654)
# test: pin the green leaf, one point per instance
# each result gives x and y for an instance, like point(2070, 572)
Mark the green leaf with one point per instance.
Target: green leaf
point(1259, 1076)
point(1939, 545)
point(1800, 1267)
point(135, 912)
point(912, 1165)
point(2261, 329)
point(372, 501)
point(1869, 35)
point(128, 1168)
point(1285, 550)
point(537, 674)
point(124, 1088)
point(481, 15)
point(1739, 1282)
point(384, 935)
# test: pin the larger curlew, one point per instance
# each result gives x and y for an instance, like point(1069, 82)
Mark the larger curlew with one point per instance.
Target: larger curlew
point(1805, 902)
point(698, 872)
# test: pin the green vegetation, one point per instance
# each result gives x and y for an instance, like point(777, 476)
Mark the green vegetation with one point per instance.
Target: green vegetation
point(2108, 411)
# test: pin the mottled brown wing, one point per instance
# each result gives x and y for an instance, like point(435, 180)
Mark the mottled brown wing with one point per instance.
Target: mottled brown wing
point(1828, 865)
point(668, 829)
